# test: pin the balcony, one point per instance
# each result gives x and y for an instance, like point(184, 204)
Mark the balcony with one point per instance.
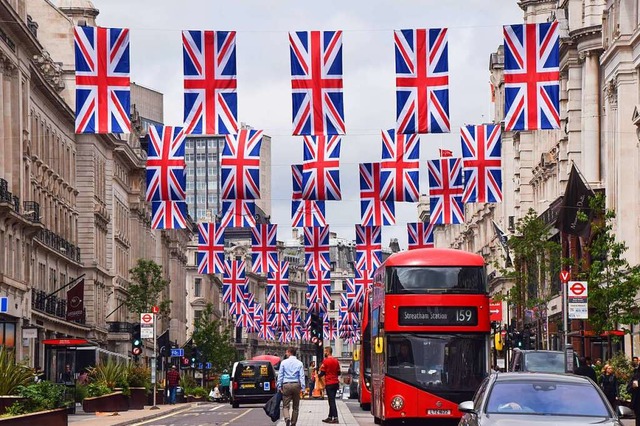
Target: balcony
point(6, 197)
point(59, 244)
point(52, 305)
point(31, 211)
point(120, 327)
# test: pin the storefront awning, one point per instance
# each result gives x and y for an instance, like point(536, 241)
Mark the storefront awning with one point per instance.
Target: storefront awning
point(67, 342)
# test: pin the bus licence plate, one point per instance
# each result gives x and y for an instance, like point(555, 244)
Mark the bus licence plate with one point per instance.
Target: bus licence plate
point(435, 412)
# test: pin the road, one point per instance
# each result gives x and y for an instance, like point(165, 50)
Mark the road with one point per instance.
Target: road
point(364, 418)
point(214, 415)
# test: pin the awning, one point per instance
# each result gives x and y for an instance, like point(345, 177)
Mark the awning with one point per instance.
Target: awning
point(68, 342)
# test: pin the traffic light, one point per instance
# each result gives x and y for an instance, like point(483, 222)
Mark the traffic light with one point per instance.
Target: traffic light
point(517, 339)
point(136, 341)
point(316, 330)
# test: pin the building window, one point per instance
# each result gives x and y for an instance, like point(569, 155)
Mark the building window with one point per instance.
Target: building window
point(212, 143)
point(197, 288)
point(197, 315)
point(200, 143)
point(332, 305)
point(189, 144)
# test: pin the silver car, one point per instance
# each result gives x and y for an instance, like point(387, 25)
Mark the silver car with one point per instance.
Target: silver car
point(539, 398)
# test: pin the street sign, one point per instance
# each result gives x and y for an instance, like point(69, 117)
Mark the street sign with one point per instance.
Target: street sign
point(564, 276)
point(177, 352)
point(208, 366)
point(146, 332)
point(577, 299)
point(495, 311)
point(199, 366)
point(4, 304)
point(146, 320)
point(155, 309)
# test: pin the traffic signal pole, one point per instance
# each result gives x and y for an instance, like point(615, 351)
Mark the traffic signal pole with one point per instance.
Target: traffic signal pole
point(154, 367)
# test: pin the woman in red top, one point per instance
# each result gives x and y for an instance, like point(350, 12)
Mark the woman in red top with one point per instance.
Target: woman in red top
point(330, 370)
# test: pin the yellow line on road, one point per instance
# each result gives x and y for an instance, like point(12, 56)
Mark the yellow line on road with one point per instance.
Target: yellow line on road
point(236, 418)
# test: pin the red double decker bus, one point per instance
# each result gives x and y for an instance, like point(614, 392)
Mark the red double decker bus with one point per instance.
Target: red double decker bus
point(364, 382)
point(430, 332)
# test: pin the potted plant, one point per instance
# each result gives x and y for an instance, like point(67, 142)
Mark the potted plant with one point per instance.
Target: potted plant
point(12, 376)
point(106, 378)
point(199, 394)
point(188, 384)
point(139, 381)
point(42, 403)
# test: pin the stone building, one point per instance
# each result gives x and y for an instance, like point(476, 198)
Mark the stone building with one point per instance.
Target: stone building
point(599, 98)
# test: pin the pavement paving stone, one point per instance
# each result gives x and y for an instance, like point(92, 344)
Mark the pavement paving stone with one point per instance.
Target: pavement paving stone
point(313, 411)
point(124, 418)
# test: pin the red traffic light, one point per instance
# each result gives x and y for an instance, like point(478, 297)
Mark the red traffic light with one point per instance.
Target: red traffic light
point(185, 361)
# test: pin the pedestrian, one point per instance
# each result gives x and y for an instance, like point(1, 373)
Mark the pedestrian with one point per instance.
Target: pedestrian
point(330, 370)
point(173, 380)
point(225, 382)
point(67, 377)
point(634, 389)
point(634, 363)
point(290, 383)
point(586, 370)
point(312, 377)
point(83, 378)
point(609, 385)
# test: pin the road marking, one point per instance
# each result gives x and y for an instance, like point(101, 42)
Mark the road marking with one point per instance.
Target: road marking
point(216, 407)
point(236, 418)
point(163, 417)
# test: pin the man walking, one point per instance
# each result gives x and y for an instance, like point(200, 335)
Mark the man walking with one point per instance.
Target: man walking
point(173, 380)
point(330, 369)
point(290, 382)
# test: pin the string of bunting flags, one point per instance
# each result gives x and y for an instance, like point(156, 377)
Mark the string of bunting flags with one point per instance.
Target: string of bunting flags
point(531, 78)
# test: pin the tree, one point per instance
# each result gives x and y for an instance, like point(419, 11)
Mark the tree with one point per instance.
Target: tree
point(536, 260)
point(613, 284)
point(146, 287)
point(213, 341)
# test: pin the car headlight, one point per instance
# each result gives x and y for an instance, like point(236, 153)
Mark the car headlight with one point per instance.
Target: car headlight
point(397, 403)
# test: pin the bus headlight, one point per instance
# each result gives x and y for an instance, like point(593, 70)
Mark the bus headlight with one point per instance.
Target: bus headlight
point(397, 403)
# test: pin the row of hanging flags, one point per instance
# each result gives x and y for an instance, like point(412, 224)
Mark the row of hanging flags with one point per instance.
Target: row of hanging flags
point(531, 80)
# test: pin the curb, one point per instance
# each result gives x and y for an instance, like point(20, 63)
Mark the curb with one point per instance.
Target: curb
point(154, 416)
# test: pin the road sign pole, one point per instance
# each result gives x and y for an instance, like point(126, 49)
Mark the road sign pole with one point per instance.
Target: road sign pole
point(565, 314)
point(155, 382)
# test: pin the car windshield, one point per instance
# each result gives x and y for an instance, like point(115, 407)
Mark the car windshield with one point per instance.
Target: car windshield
point(544, 362)
point(546, 398)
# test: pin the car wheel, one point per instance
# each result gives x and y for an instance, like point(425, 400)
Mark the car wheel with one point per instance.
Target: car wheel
point(235, 404)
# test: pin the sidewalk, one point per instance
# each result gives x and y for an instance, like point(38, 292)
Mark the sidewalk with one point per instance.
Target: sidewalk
point(124, 417)
point(313, 411)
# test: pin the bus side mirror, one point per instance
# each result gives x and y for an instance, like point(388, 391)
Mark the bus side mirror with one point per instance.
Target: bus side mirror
point(379, 345)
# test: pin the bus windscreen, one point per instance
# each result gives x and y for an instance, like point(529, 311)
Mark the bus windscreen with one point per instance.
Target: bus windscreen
point(436, 279)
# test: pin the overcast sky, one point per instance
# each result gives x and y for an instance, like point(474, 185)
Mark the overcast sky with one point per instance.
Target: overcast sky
point(264, 94)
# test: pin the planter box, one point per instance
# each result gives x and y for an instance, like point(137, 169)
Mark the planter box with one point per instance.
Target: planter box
point(191, 398)
point(112, 402)
point(160, 396)
point(57, 417)
point(7, 401)
point(138, 398)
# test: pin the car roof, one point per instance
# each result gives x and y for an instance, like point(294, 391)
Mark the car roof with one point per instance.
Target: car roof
point(527, 376)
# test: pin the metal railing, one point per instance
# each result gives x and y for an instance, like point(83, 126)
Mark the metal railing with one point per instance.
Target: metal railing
point(59, 244)
point(31, 211)
point(52, 305)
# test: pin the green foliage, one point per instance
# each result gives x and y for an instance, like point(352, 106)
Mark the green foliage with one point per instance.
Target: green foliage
point(188, 383)
point(39, 396)
point(613, 283)
point(111, 374)
point(138, 376)
point(80, 393)
point(97, 389)
point(146, 287)
point(536, 261)
point(12, 373)
point(213, 340)
point(200, 392)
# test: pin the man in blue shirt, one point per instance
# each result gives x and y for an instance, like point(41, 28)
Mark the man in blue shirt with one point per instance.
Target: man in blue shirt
point(290, 383)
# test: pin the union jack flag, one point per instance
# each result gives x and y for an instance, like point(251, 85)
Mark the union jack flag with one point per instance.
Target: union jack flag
point(374, 211)
point(420, 235)
point(295, 324)
point(321, 168)
point(210, 98)
point(347, 316)
point(234, 282)
point(445, 191)
point(304, 212)
point(318, 292)
point(169, 215)
point(265, 331)
point(247, 320)
point(305, 333)
point(400, 167)
point(308, 213)
point(482, 163)
point(279, 319)
point(210, 249)
point(238, 213)
point(240, 165)
point(316, 248)
point(102, 80)
point(532, 76)
point(422, 81)
point(284, 337)
point(365, 279)
point(264, 256)
point(166, 179)
point(368, 247)
point(316, 82)
point(278, 288)
point(355, 294)
point(330, 329)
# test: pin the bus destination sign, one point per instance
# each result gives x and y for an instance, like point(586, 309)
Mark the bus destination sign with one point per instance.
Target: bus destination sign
point(438, 315)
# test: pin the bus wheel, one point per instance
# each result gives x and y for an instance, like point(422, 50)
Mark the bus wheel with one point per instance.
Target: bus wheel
point(377, 420)
point(365, 407)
